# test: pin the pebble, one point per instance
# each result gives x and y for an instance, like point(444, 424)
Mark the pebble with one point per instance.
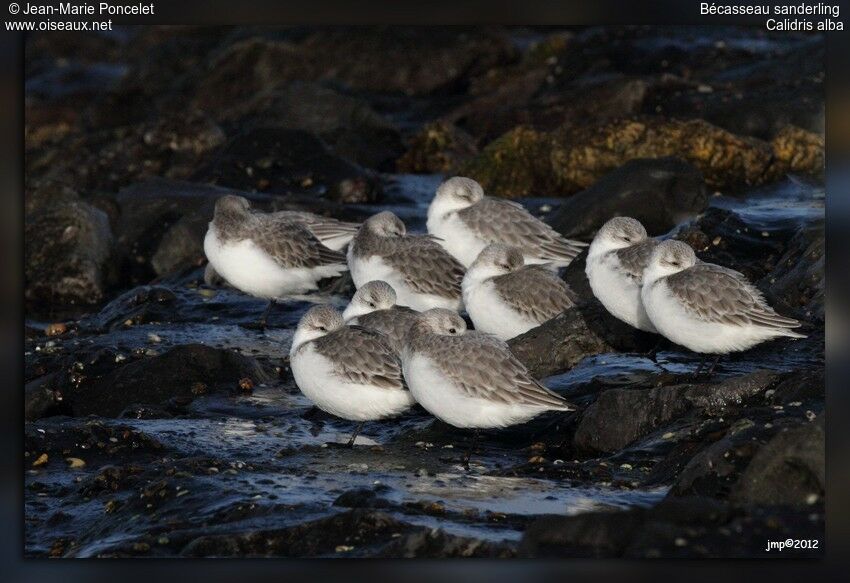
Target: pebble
point(75, 462)
point(40, 461)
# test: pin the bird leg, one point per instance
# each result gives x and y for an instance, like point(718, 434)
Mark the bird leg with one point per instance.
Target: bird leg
point(355, 434)
point(262, 323)
point(653, 355)
point(713, 365)
point(471, 448)
point(698, 371)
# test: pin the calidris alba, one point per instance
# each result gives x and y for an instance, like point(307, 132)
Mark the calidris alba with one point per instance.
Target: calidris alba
point(707, 308)
point(506, 298)
point(466, 221)
point(616, 260)
point(374, 307)
point(347, 371)
point(265, 255)
point(470, 379)
point(422, 274)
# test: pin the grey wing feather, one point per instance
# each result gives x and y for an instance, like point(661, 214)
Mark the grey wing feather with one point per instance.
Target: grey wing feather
point(634, 259)
point(394, 323)
point(535, 292)
point(291, 244)
point(322, 227)
point(426, 267)
point(500, 221)
point(717, 294)
point(483, 366)
point(362, 356)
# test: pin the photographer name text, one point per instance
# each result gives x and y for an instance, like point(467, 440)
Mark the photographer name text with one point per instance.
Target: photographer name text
point(100, 9)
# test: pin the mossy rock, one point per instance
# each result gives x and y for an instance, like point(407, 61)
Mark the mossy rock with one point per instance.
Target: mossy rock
point(514, 165)
point(581, 157)
point(438, 147)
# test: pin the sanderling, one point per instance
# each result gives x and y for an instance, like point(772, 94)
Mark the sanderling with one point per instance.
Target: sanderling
point(347, 371)
point(615, 262)
point(374, 307)
point(466, 221)
point(707, 308)
point(264, 255)
point(420, 271)
point(505, 298)
point(470, 379)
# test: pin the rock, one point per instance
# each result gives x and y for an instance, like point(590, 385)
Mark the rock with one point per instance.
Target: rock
point(694, 526)
point(514, 165)
point(620, 416)
point(406, 60)
point(526, 162)
point(660, 193)
point(433, 543)
point(358, 529)
point(69, 244)
point(797, 282)
point(143, 305)
point(438, 147)
point(789, 470)
point(158, 379)
point(282, 161)
point(798, 150)
point(726, 161)
point(723, 237)
point(589, 534)
point(41, 399)
point(802, 386)
point(581, 331)
point(347, 124)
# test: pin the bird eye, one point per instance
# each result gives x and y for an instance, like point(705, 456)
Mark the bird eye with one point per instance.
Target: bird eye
point(504, 266)
point(322, 328)
point(371, 304)
point(452, 331)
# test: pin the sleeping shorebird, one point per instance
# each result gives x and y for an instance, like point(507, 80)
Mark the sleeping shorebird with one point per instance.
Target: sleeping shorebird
point(266, 255)
point(374, 307)
point(470, 379)
point(615, 263)
point(347, 371)
point(466, 221)
point(505, 298)
point(707, 308)
point(422, 274)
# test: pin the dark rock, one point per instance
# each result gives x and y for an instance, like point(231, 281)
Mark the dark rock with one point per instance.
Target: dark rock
point(789, 470)
point(281, 161)
point(717, 398)
point(89, 440)
point(694, 526)
point(68, 247)
point(581, 331)
point(619, 417)
point(41, 399)
point(439, 147)
point(432, 543)
point(347, 124)
point(660, 193)
point(723, 237)
point(356, 528)
point(143, 305)
point(405, 60)
point(160, 378)
point(590, 534)
point(360, 498)
point(797, 282)
point(805, 385)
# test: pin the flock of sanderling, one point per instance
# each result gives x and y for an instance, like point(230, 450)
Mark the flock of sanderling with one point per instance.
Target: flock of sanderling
point(401, 339)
